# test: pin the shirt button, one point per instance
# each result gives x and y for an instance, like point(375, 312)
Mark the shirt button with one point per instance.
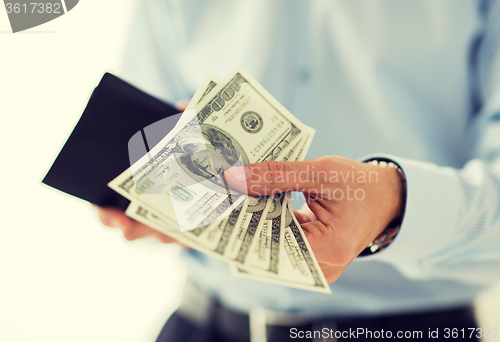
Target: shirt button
point(304, 74)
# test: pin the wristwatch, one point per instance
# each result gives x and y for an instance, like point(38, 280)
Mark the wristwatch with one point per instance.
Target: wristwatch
point(388, 235)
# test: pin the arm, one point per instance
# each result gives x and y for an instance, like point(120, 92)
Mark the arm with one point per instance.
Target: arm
point(451, 225)
point(451, 228)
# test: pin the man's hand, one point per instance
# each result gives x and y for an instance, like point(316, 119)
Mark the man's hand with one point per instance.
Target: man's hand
point(132, 230)
point(348, 204)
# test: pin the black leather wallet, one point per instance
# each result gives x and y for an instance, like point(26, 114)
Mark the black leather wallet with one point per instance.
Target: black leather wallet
point(97, 149)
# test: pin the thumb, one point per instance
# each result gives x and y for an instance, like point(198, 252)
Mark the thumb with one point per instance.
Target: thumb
point(270, 177)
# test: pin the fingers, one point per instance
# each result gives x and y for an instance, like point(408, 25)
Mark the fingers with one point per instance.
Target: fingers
point(305, 215)
point(136, 230)
point(312, 228)
point(332, 273)
point(131, 229)
point(327, 246)
point(182, 104)
point(271, 177)
point(302, 217)
point(325, 215)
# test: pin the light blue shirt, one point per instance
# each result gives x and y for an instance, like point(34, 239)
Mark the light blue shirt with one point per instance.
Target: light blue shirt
point(415, 80)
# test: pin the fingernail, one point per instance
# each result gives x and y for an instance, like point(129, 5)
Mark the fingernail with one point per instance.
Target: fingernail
point(239, 173)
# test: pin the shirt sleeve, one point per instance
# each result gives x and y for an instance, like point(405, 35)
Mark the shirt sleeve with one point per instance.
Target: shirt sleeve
point(451, 225)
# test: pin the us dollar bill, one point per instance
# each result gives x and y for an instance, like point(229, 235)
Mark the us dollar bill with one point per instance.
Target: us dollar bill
point(244, 232)
point(297, 265)
point(247, 225)
point(145, 216)
point(214, 241)
point(216, 237)
point(265, 251)
point(209, 241)
point(238, 123)
point(264, 260)
point(204, 89)
point(263, 255)
point(251, 236)
point(302, 262)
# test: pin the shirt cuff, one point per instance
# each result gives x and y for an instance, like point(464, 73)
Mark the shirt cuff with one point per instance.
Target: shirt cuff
point(431, 213)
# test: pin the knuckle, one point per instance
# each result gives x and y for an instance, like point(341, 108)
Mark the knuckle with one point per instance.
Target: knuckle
point(332, 278)
point(129, 235)
point(165, 238)
point(105, 218)
point(130, 232)
point(106, 221)
point(331, 274)
point(275, 169)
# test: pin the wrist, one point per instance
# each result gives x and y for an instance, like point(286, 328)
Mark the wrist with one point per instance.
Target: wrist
point(394, 193)
point(398, 192)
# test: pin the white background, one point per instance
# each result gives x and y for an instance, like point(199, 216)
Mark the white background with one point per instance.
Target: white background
point(63, 276)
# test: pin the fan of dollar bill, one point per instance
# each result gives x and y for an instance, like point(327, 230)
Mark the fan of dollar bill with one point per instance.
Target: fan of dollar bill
point(177, 188)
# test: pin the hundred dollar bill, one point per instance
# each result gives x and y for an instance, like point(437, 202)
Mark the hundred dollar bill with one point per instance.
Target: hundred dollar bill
point(264, 259)
point(144, 216)
point(226, 226)
point(244, 232)
point(215, 237)
point(302, 262)
point(211, 242)
point(205, 88)
point(232, 238)
point(272, 249)
point(264, 246)
point(221, 230)
point(252, 114)
point(238, 122)
point(297, 266)
point(247, 229)
point(265, 251)
point(263, 272)
point(142, 213)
